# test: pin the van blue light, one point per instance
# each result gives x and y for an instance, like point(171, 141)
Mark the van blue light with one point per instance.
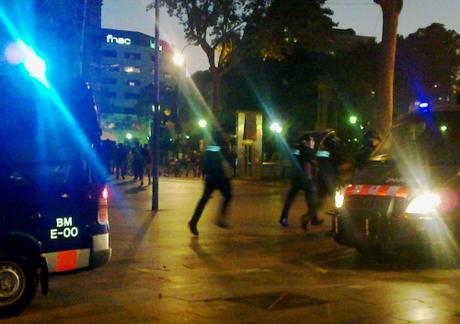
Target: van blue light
point(424, 106)
point(34, 64)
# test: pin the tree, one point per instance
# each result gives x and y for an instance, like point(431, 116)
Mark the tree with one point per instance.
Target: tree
point(228, 30)
point(384, 114)
point(426, 66)
point(215, 26)
point(289, 25)
point(355, 84)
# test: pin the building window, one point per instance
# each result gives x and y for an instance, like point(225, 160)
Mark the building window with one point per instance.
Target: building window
point(113, 67)
point(109, 81)
point(130, 95)
point(130, 111)
point(108, 53)
point(133, 56)
point(109, 94)
point(132, 69)
point(133, 83)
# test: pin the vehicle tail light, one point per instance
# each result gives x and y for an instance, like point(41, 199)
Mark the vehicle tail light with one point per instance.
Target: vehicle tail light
point(103, 211)
point(105, 193)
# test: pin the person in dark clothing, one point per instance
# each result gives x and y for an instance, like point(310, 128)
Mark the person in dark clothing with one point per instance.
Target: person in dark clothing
point(121, 162)
point(329, 161)
point(302, 179)
point(215, 168)
point(147, 154)
point(370, 141)
point(138, 164)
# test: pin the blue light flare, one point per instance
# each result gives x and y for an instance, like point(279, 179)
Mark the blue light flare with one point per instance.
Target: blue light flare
point(34, 64)
point(424, 106)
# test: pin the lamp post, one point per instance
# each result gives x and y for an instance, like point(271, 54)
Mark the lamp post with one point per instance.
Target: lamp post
point(155, 130)
point(179, 58)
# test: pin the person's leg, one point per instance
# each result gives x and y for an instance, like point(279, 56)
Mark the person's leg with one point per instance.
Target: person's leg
point(288, 203)
point(149, 172)
point(141, 174)
point(208, 189)
point(124, 170)
point(135, 171)
point(225, 188)
point(312, 204)
point(117, 171)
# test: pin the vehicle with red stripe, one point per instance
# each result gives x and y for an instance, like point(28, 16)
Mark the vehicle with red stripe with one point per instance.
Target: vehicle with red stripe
point(407, 194)
point(53, 196)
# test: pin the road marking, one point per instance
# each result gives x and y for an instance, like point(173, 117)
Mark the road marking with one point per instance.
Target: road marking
point(314, 267)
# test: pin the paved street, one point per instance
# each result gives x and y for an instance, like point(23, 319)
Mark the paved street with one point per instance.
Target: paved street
point(255, 272)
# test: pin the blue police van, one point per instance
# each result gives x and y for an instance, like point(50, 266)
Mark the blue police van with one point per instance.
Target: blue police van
point(53, 196)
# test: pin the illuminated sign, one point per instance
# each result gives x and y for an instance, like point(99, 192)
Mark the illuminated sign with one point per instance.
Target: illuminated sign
point(119, 40)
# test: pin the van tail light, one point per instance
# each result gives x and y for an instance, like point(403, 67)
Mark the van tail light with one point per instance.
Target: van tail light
point(105, 193)
point(103, 211)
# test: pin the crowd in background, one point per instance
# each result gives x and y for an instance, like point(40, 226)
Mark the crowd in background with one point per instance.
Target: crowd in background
point(136, 160)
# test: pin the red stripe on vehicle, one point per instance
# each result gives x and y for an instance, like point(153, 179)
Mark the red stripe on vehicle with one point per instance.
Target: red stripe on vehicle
point(402, 192)
point(364, 191)
point(382, 191)
point(349, 190)
point(66, 260)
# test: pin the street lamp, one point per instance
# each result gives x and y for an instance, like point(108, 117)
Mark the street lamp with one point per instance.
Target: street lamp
point(202, 123)
point(443, 128)
point(353, 120)
point(276, 127)
point(178, 59)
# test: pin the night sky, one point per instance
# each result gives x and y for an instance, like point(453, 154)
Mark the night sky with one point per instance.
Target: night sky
point(362, 15)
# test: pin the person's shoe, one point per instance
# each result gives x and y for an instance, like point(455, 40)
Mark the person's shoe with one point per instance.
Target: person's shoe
point(193, 229)
point(317, 222)
point(304, 224)
point(284, 222)
point(222, 223)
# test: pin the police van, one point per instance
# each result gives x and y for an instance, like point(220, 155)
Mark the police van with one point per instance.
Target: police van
point(53, 197)
point(408, 194)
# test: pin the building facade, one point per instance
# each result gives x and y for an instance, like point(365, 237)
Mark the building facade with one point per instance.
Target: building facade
point(124, 85)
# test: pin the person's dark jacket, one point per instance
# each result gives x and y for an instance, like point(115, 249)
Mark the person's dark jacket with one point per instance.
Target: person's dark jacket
point(213, 162)
point(303, 165)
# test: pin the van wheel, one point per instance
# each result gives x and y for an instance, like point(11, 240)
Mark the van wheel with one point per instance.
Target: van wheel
point(18, 283)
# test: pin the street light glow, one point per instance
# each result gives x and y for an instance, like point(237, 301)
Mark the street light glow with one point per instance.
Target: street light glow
point(276, 127)
point(353, 120)
point(178, 59)
point(129, 136)
point(202, 123)
point(443, 128)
